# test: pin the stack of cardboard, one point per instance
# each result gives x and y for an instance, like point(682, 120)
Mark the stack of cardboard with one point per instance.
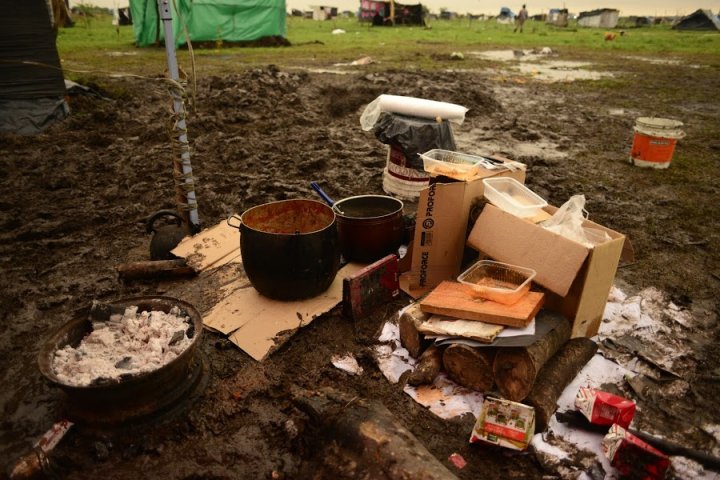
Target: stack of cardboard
point(576, 278)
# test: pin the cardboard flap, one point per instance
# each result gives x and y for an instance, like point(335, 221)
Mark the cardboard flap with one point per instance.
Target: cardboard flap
point(507, 238)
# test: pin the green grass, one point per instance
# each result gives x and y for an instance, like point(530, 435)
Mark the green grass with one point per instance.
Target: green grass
point(95, 45)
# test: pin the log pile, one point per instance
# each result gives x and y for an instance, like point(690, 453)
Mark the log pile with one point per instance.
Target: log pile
point(535, 374)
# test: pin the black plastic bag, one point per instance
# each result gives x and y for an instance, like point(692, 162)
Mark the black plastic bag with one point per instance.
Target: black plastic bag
point(414, 135)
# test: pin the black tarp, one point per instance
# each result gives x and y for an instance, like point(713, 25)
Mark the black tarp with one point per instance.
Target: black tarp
point(31, 81)
point(698, 20)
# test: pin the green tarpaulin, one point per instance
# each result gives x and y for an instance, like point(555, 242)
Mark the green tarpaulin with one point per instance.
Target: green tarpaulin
point(210, 20)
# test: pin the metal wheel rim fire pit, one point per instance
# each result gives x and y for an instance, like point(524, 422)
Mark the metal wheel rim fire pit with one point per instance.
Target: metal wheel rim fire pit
point(137, 396)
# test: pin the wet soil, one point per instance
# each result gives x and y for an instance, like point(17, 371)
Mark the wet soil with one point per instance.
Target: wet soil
point(76, 197)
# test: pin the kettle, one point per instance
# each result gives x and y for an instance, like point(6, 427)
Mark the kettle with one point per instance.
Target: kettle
point(165, 237)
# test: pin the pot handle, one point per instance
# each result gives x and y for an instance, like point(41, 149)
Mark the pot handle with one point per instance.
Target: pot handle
point(235, 217)
point(322, 194)
point(150, 222)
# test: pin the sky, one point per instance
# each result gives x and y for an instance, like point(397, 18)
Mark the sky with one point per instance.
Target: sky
point(626, 7)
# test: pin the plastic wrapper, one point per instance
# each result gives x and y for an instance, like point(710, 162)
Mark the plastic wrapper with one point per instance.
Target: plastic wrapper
point(414, 136)
point(602, 408)
point(568, 222)
point(632, 457)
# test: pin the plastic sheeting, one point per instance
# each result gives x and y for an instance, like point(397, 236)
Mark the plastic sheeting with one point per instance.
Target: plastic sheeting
point(210, 20)
point(32, 88)
point(27, 117)
point(414, 136)
point(31, 65)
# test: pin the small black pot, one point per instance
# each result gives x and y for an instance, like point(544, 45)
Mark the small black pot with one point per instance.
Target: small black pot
point(290, 249)
point(370, 226)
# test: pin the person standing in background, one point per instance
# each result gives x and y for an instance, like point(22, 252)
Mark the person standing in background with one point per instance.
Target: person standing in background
point(520, 19)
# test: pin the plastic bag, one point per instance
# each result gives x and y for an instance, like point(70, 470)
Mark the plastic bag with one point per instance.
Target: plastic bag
point(568, 222)
point(414, 136)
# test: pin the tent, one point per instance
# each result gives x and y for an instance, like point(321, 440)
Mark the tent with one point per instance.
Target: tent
point(558, 17)
point(210, 20)
point(324, 13)
point(506, 15)
point(601, 18)
point(382, 13)
point(32, 88)
point(698, 20)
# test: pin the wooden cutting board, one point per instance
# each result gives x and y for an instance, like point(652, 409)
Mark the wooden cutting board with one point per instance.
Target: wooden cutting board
point(452, 299)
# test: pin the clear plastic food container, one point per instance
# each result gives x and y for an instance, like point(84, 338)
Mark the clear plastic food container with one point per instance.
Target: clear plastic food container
point(513, 197)
point(451, 164)
point(496, 281)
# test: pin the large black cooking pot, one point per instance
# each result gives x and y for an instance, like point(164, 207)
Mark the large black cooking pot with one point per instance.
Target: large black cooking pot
point(134, 396)
point(370, 226)
point(289, 248)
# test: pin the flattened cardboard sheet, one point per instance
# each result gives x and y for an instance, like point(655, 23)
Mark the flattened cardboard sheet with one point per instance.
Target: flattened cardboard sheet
point(454, 327)
point(260, 325)
point(213, 247)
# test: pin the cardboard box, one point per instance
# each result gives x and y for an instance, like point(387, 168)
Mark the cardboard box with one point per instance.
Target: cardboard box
point(578, 278)
point(504, 423)
point(441, 230)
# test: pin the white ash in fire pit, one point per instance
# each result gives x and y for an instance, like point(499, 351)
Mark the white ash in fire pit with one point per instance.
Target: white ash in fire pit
point(126, 344)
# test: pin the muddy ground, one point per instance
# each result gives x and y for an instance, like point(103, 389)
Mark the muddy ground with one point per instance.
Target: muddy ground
point(75, 199)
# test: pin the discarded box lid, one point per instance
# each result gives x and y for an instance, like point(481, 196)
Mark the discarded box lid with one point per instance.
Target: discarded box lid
point(513, 197)
point(497, 281)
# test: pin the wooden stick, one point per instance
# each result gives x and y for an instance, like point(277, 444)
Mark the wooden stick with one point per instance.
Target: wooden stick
point(428, 367)
point(516, 368)
point(154, 269)
point(470, 367)
point(555, 375)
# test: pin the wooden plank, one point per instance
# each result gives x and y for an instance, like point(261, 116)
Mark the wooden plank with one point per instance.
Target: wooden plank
point(372, 286)
point(452, 299)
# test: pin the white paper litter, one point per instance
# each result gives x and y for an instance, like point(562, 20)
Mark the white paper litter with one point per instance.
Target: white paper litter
point(639, 315)
point(347, 363)
point(445, 398)
point(516, 332)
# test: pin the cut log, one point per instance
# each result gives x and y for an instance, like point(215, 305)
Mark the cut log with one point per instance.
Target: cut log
point(516, 368)
point(455, 300)
point(408, 323)
point(428, 367)
point(369, 437)
point(555, 375)
point(154, 269)
point(470, 367)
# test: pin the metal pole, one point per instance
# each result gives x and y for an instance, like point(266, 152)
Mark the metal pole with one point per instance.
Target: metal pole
point(185, 187)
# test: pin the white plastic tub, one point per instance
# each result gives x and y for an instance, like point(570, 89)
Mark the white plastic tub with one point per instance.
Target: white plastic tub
point(497, 281)
point(512, 196)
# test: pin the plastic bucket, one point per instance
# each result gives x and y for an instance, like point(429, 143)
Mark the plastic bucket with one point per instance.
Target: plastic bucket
point(654, 141)
point(401, 180)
